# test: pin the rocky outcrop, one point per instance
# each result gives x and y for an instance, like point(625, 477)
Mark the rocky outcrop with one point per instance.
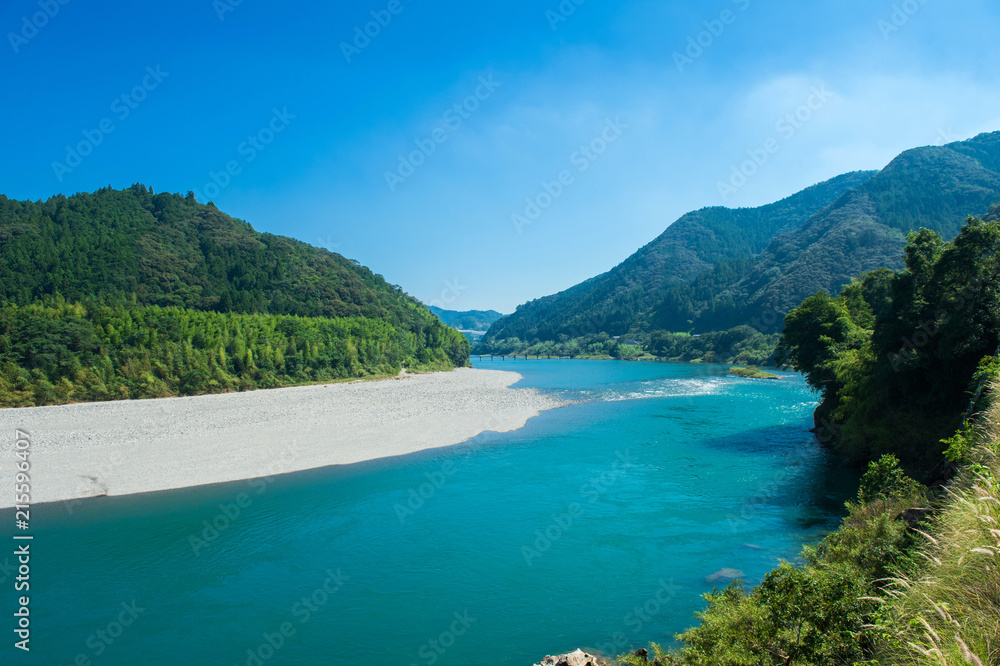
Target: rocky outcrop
point(578, 658)
point(724, 576)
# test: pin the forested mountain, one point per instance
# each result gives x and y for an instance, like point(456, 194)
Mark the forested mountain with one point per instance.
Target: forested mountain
point(718, 269)
point(935, 188)
point(169, 250)
point(623, 298)
point(127, 293)
point(469, 320)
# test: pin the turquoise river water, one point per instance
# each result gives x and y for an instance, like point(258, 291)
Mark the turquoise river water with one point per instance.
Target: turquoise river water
point(598, 525)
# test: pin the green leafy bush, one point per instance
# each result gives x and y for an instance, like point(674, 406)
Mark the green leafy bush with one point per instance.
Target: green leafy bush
point(895, 354)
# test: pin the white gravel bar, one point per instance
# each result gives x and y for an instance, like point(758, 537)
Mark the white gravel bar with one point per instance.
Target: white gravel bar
point(120, 448)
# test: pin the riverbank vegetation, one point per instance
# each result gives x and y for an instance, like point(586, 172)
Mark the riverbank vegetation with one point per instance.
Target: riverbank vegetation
point(743, 345)
point(61, 352)
point(896, 354)
point(907, 367)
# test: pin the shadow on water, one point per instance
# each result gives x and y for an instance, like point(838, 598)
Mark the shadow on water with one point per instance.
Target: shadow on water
point(809, 484)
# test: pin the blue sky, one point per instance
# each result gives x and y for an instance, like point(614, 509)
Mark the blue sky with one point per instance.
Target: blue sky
point(641, 109)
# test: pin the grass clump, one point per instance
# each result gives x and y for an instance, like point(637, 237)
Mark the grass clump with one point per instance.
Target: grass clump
point(751, 372)
point(948, 611)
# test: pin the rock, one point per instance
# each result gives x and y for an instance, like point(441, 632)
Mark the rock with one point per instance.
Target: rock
point(642, 654)
point(726, 575)
point(578, 658)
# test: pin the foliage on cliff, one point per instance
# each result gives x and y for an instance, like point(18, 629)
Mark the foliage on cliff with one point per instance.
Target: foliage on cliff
point(897, 356)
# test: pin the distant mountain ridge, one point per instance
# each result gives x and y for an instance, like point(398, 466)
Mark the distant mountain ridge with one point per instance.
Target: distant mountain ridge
point(469, 320)
point(719, 268)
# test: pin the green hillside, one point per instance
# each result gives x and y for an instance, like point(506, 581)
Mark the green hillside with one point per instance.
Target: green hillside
point(727, 270)
point(623, 298)
point(935, 188)
point(165, 287)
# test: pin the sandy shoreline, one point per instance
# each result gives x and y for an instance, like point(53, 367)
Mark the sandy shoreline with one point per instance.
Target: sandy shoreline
point(120, 448)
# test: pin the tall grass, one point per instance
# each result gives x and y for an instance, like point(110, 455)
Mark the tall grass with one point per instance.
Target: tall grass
point(949, 611)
